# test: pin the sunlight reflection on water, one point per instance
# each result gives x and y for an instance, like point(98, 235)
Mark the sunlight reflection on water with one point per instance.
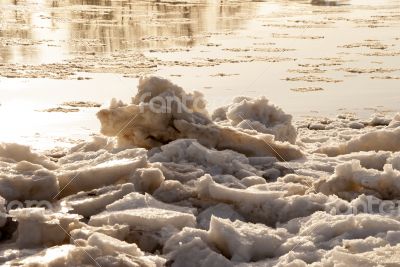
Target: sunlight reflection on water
point(221, 48)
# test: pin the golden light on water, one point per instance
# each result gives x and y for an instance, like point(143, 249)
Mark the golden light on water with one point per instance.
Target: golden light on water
point(42, 32)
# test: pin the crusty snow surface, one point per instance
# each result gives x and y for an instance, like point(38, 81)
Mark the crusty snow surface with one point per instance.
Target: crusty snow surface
point(169, 184)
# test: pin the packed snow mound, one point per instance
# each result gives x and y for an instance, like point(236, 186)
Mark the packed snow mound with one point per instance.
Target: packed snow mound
point(153, 119)
point(258, 115)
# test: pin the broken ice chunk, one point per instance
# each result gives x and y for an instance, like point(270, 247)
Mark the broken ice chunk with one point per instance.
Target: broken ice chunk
point(260, 115)
point(242, 241)
point(17, 153)
point(147, 219)
point(147, 179)
point(40, 227)
point(112, 246)
point(95, 201)
point(103, 174)
point(83, 231)
point(385, 139)
point(27, 181)
point(220, 210)
point(135, 200)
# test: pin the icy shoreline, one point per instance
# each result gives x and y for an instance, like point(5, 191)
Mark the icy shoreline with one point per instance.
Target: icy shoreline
point(173, 185)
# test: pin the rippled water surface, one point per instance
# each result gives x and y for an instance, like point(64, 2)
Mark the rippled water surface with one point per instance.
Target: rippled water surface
point(319, 58)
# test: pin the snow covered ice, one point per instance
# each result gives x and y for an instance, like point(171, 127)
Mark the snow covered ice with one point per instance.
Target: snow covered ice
point(171, 184)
